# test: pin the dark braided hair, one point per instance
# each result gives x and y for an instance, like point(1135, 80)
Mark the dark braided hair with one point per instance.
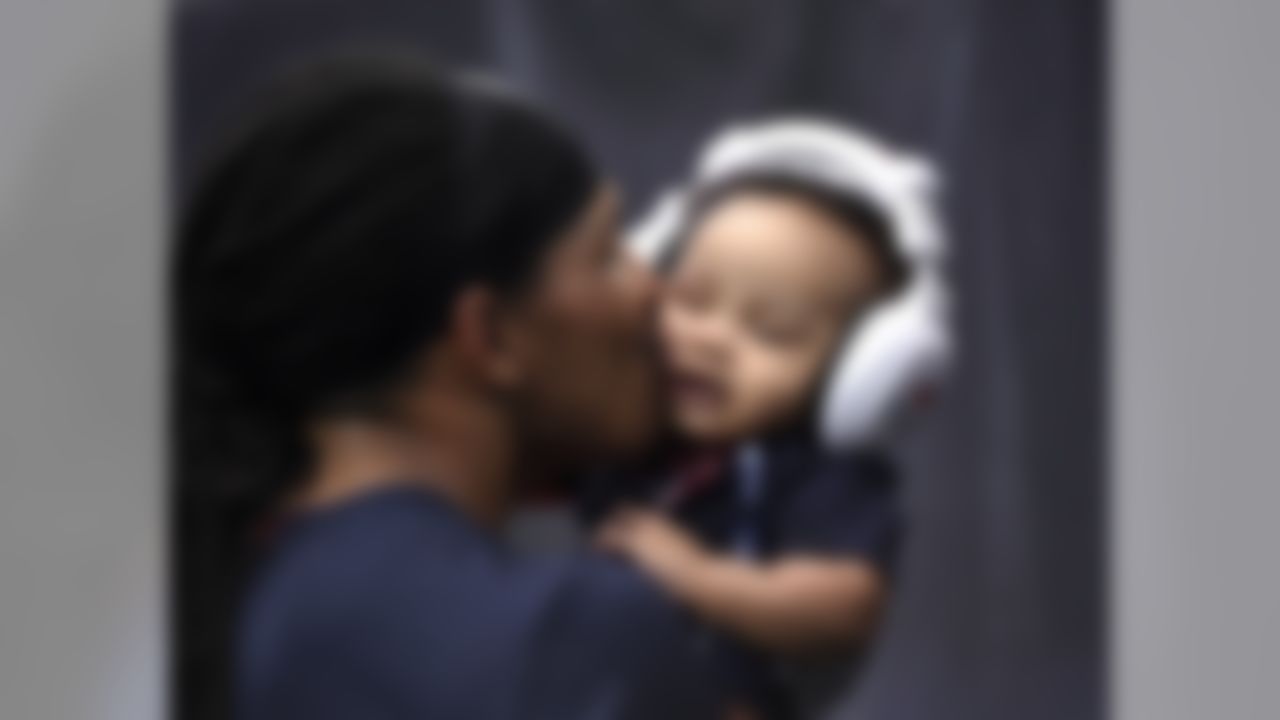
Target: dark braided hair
point(319, 253)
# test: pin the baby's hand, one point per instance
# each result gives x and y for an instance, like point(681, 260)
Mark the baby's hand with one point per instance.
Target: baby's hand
point(652, 541)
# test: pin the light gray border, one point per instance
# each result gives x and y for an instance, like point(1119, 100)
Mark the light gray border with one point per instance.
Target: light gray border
point(1196, 349)
point(81, 551)
point(1195, 583)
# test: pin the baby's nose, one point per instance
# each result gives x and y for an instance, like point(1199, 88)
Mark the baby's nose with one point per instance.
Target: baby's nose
point(713, 337)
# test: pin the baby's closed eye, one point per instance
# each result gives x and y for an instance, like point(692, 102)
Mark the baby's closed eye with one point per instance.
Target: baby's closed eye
point(782, 325)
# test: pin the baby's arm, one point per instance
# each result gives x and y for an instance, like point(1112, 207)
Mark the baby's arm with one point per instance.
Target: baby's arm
point(795, 604)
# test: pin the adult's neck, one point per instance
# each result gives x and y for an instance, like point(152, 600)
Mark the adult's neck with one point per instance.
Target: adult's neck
point(461, 450)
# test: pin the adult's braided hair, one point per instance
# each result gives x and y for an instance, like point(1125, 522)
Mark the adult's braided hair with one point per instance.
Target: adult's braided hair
point(319, 253)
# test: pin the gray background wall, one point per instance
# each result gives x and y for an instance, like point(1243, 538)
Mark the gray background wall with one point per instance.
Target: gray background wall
point(999, 613)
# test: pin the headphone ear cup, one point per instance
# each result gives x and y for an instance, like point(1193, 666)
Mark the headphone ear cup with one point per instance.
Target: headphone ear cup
point(890, 363)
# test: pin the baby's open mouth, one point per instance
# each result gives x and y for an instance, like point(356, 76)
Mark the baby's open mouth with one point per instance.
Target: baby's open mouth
point(697, 389)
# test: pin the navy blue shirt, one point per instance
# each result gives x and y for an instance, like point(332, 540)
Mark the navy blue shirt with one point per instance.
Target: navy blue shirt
point(769, 499)
point(802, 500)
point(395, 607)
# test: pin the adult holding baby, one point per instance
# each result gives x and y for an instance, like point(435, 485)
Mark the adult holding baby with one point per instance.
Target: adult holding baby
point(397, 301)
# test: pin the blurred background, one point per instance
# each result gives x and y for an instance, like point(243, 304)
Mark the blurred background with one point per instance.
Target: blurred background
point(999, 611)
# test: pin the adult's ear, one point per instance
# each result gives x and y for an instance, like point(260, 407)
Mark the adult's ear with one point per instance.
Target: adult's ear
point(483, 336)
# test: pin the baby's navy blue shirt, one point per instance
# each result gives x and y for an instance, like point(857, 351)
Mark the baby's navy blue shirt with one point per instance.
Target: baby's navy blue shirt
point(773, 498)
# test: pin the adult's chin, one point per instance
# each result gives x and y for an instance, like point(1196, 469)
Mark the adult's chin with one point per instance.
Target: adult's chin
point(638, 427)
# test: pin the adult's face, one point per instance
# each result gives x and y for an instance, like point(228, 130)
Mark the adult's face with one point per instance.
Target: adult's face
point(587, 343)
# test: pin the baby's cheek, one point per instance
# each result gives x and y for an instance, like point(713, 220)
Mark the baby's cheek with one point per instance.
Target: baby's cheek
point(770, 389)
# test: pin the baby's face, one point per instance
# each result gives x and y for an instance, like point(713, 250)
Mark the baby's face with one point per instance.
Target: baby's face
point(757, 304)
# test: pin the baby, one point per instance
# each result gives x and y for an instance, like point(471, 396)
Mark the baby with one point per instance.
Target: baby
point(767, 517)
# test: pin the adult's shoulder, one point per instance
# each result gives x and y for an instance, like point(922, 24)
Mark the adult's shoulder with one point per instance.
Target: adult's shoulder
point(389, 537)
point(387, 601)
point(430, 609)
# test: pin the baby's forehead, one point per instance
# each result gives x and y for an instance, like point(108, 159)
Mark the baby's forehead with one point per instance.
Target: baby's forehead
point(777, 243)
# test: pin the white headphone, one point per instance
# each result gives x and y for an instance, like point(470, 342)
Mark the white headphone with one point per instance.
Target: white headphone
point(899, 352)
